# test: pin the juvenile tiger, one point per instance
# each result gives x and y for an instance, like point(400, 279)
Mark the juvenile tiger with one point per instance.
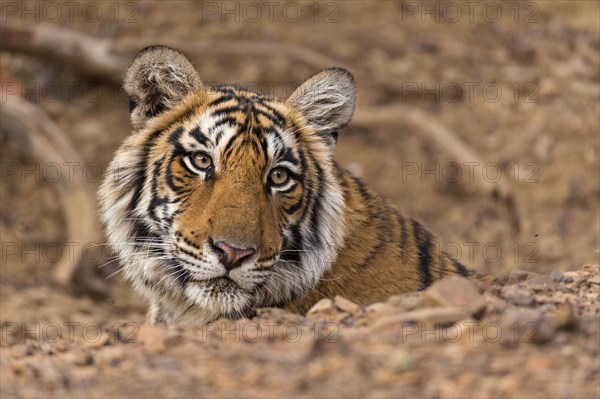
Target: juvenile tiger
point(223, 200)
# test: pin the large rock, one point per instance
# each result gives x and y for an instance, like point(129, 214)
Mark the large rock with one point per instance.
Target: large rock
point(456, 292)
point(431, 317)
point(524, 325)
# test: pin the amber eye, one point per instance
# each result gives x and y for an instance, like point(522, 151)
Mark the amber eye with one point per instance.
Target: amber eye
point(201, 160)
point(279, 176)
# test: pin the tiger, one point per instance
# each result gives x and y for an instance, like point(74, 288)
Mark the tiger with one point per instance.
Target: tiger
point(223, 200)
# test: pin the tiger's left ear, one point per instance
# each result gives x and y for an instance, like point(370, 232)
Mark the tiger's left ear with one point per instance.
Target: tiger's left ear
point(327, 101)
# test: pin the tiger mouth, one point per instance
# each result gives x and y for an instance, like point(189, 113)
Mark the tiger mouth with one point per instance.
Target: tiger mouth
point(223, 284)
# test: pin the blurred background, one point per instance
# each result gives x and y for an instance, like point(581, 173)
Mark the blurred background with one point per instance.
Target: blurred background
point(447, 91)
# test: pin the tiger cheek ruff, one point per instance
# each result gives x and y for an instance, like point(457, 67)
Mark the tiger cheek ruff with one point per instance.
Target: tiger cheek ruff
point(223, 200)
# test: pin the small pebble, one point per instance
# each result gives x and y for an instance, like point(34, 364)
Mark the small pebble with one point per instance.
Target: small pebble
point(556, 276)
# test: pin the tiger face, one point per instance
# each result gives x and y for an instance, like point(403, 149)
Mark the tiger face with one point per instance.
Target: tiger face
point(223, 199)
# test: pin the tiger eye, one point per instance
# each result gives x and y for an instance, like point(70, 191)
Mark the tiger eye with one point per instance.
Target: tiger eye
point(279, 176)
point(201, 160)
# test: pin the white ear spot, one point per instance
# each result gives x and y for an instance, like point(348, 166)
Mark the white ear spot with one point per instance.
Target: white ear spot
point(327, 101)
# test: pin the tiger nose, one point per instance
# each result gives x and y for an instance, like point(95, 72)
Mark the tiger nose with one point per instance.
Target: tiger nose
point(232, 257)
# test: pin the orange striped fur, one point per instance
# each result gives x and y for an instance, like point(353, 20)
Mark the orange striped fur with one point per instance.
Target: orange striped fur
point(223, 200)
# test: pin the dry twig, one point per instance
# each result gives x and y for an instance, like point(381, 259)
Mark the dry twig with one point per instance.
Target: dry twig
point(91, 56)
point(51, 146)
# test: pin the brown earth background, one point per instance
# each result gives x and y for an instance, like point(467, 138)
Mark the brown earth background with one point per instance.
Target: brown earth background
point(518, 82)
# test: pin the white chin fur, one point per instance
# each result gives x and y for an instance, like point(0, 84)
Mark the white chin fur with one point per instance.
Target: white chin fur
point(230, 301)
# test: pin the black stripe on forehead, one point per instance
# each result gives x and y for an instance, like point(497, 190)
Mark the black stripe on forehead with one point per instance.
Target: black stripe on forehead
point(264, 145)
point(269, 115)
point(237, 90)
point(229, 146)
point(244, 96)
point(253, 137)
point(222, 99)
point(250, 114)
point(293, 128)
point(281, 151)
point(174, 139)
point(288, 156)
point(232, 109)
point(247, 98)
point(226, 90)
point(274, 115)
point(197, 134)
point(227, 120)
point(257, 149)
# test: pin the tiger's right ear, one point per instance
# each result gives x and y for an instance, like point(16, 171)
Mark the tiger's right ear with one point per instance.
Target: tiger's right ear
point(158, 79)
point(326, 100)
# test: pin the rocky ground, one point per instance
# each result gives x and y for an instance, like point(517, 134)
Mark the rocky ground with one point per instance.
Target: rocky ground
point(534, 336)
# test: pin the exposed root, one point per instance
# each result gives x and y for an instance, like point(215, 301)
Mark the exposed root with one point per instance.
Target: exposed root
point(446, 140)
point(51, 146)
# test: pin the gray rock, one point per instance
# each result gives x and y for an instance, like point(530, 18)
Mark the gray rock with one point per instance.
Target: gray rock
point(539, 282)
point(521, 296)
point(556, 276)
point(516, 276)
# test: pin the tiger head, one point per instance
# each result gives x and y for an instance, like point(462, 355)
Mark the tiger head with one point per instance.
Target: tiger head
point(223, 199)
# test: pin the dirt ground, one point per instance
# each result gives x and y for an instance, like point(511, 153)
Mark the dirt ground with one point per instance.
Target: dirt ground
point(519, 83)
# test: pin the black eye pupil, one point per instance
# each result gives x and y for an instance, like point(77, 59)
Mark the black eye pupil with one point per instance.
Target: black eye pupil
point(202, 161)
point(279, 176)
